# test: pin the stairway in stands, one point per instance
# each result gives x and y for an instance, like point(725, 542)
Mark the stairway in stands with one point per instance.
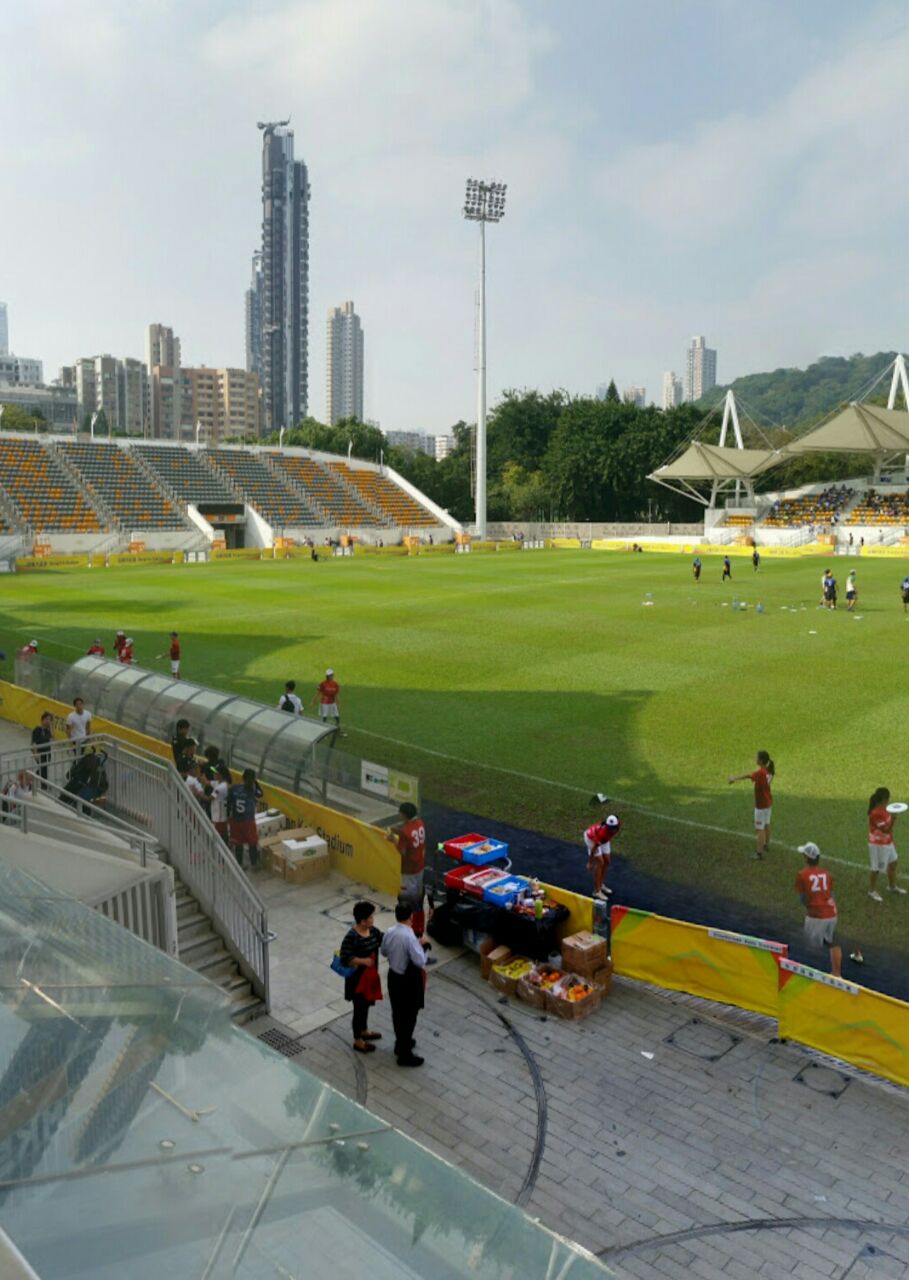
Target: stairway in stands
point(203, 950)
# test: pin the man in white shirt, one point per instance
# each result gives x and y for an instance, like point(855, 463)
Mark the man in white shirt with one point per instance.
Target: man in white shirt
point(78, 723)
point(406, 973)
point(289, 701)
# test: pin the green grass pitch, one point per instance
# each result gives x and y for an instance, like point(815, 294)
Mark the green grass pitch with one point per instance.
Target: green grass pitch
point(517, 685)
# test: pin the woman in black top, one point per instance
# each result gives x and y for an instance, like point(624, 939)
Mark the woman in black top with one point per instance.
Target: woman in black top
point(41, 737)
point(360, 951)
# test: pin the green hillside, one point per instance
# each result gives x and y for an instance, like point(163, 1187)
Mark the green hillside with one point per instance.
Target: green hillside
point(799, 397)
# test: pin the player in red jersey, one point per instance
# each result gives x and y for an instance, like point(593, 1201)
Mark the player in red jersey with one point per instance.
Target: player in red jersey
point(328, 696)
point(881, 849)
point(119, 642)
point(410, 837)
point(814, 886)
point(598, 843)
point(763, 800)
point(95, 649)
point(125, 654)
point(174, 654)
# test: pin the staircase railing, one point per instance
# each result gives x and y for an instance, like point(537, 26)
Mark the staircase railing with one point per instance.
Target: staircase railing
point(147, 792)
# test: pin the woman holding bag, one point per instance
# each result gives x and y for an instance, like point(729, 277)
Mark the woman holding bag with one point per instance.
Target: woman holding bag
point(360, 952)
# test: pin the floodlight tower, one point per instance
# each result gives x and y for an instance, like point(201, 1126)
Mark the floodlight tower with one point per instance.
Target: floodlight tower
point(484, 202)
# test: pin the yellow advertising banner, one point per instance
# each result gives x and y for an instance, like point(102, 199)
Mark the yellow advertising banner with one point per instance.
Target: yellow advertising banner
point(581, 909)
point(898, 553)
point(244, 553)
point(847, 1021)
point(145, 557)
point(564, 543)
point(729, 967)
point(33, 564)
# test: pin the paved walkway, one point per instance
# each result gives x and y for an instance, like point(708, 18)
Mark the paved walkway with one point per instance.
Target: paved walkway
point(651, 1133)
point(664, 1137)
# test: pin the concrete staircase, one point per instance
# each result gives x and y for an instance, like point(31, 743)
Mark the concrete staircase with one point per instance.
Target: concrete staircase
point(202, 949)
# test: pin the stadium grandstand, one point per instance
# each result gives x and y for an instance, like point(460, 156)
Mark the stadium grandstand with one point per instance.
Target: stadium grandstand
point(116, 481)
point(73, 494)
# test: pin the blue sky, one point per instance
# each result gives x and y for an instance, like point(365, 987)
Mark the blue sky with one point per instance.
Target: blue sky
point(674, 168)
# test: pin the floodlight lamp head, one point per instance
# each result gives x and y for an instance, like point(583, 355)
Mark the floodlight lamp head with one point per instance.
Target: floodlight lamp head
point(484, 201)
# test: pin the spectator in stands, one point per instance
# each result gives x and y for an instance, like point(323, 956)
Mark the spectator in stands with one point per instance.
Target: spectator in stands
point(173, 652)
point(78, 723)
point(119, 642)
point(762, 777)
point(406, 977)
point(219, 790)
point(126, 651)
point(328, 696)
point(242, 799)
point(95, 650)
point(851, 592)
point(42, 735)
point(289, 700)
point(360, 952)
point(882, 853)
point(814, 886)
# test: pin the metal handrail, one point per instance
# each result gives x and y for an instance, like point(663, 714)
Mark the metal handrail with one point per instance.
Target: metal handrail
point(149, 793)
point(35, 818)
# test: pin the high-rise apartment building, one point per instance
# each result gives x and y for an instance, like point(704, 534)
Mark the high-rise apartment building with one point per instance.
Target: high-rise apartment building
point(344, 365)
point(254, 318)
point(672, 390)
point(20, 371)
point(223, 403)
point(162, 356)
point(701, 369)
point(636, 396)
point(285, 280)
point(4, 330)
point(118, 387)
point(444, 445)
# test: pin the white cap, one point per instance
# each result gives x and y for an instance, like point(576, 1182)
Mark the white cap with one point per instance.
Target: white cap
point(330, 672)
point(121, 633)
point(33, 644)
point(612, 821)
point(129, 639)
point(810, 850)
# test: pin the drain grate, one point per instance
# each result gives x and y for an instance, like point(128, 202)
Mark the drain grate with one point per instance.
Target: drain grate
point(280, 1041)
point(703, 1040)
point(822, 1079)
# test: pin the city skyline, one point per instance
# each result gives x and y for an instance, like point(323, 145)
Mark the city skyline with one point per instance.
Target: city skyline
point(741, 196)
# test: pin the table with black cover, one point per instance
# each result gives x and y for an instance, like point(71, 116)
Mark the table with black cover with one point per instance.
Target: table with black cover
point(523, 935)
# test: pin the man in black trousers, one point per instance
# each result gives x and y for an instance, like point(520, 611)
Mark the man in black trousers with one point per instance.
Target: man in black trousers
point(406, 973)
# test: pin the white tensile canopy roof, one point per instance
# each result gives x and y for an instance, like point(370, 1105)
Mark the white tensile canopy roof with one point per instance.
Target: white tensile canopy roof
point(859, 428)
point(714, 462)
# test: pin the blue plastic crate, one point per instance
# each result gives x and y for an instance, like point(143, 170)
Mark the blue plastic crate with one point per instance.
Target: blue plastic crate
point(484, 852)
point(504, 892)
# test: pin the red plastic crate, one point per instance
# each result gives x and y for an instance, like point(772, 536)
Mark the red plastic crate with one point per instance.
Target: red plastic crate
point(454, 877)
point(455, 848)
point(481, 878)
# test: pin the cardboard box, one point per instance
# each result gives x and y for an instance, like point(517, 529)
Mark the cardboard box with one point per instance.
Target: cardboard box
point(274, 862)
point(303, 870)
point(505, 977)
point(276, 839)
point(498, 955)
point(529, 994)
point(583, 953)
point(560, 1006)
point(268, 822)
point(602, 978)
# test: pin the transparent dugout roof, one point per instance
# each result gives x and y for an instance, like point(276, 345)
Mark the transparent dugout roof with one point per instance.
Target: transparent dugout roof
point(249, 734)
point(146, 1135)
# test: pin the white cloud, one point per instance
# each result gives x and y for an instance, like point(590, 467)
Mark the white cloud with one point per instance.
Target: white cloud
point(823, 158)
